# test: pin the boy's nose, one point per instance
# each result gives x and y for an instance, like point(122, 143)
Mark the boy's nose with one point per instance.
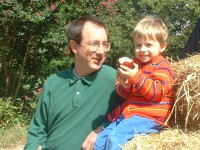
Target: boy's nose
point(143, 48)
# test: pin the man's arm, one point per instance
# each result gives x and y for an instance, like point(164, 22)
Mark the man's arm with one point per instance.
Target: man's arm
point(37, 132)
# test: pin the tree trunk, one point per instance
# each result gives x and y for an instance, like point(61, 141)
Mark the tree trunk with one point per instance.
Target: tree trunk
point(5, 70)
point(21, 71)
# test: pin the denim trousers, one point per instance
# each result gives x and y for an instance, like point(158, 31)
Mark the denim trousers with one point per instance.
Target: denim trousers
point(123, 130)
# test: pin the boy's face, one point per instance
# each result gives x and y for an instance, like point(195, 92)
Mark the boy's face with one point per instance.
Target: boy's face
point(148, 48)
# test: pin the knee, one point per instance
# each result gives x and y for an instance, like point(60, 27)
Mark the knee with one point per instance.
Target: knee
point(112, 142)
point(97, 147)
point(111, 138)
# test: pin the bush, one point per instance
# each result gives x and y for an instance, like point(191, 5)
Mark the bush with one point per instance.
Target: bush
point(11, 115)
point(8, 113)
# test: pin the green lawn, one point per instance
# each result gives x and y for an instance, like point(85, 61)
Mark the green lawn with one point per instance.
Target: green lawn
point(13, 137)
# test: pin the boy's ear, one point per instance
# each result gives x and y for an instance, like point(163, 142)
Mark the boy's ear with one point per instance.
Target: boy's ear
point(73, 44)
point(163, 46)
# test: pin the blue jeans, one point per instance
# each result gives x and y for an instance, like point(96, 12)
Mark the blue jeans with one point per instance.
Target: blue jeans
point(123, 130)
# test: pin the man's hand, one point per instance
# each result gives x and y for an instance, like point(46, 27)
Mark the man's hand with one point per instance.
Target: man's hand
point(88, 144)
point(39, 148)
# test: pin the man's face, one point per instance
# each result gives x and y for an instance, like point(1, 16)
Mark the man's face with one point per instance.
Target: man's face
point(89, 57)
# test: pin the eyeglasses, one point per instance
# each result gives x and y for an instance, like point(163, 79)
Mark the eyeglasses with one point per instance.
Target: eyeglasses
point(94, 45)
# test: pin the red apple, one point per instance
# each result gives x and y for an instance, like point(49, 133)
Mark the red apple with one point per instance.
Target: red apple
point(129, 64)
point(126, 62)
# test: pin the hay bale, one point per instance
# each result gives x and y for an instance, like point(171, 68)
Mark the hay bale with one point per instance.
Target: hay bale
point(186, 111)
point(166, 140)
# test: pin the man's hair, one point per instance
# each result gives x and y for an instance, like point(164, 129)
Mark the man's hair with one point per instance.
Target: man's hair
point(75, 28)
point(151, 27)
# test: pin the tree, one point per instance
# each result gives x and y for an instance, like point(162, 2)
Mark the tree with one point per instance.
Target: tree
point(33, 34)
point(33, 41)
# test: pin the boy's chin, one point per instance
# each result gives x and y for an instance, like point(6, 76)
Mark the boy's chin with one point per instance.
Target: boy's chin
point(145, 60)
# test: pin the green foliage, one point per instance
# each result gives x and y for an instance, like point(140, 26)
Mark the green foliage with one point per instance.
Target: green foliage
point(121, 22)
point(21, 112)
point(8, 115)
point(33, 42)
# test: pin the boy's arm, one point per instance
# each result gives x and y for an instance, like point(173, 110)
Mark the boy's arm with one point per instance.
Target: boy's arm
point(125, 74)
point(156, 86)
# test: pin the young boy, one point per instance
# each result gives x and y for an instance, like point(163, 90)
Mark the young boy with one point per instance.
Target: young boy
point(146, 88)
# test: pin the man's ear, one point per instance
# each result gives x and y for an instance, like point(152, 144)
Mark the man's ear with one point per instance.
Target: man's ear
point(163, 46)
point(73, 44)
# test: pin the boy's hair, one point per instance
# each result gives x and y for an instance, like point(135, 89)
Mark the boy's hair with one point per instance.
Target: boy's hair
point(151, 27)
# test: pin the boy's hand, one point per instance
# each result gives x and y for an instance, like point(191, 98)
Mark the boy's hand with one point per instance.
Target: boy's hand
point(126, 62)
point(125, 74)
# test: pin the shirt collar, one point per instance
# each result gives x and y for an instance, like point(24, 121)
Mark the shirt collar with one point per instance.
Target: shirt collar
point(87, 79)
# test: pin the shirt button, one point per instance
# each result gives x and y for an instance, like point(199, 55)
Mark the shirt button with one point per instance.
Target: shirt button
point(77, 93)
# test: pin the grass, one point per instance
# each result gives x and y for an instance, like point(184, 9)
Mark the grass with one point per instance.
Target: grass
point(13, 137)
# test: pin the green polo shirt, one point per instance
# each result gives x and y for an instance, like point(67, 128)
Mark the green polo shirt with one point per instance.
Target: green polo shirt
point(70, 108)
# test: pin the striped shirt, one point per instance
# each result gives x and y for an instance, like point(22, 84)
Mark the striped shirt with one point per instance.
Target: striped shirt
point(151, 94)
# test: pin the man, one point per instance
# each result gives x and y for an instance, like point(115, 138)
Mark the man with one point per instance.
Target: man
point(74, 103)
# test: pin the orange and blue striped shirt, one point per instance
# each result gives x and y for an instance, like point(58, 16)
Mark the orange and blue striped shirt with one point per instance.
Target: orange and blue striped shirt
point(151, 94)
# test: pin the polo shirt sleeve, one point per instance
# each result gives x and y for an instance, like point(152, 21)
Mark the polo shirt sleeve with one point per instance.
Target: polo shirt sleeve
point(37, 132)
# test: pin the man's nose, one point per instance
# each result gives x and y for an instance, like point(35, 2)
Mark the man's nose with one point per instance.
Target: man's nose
point(100, 49)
